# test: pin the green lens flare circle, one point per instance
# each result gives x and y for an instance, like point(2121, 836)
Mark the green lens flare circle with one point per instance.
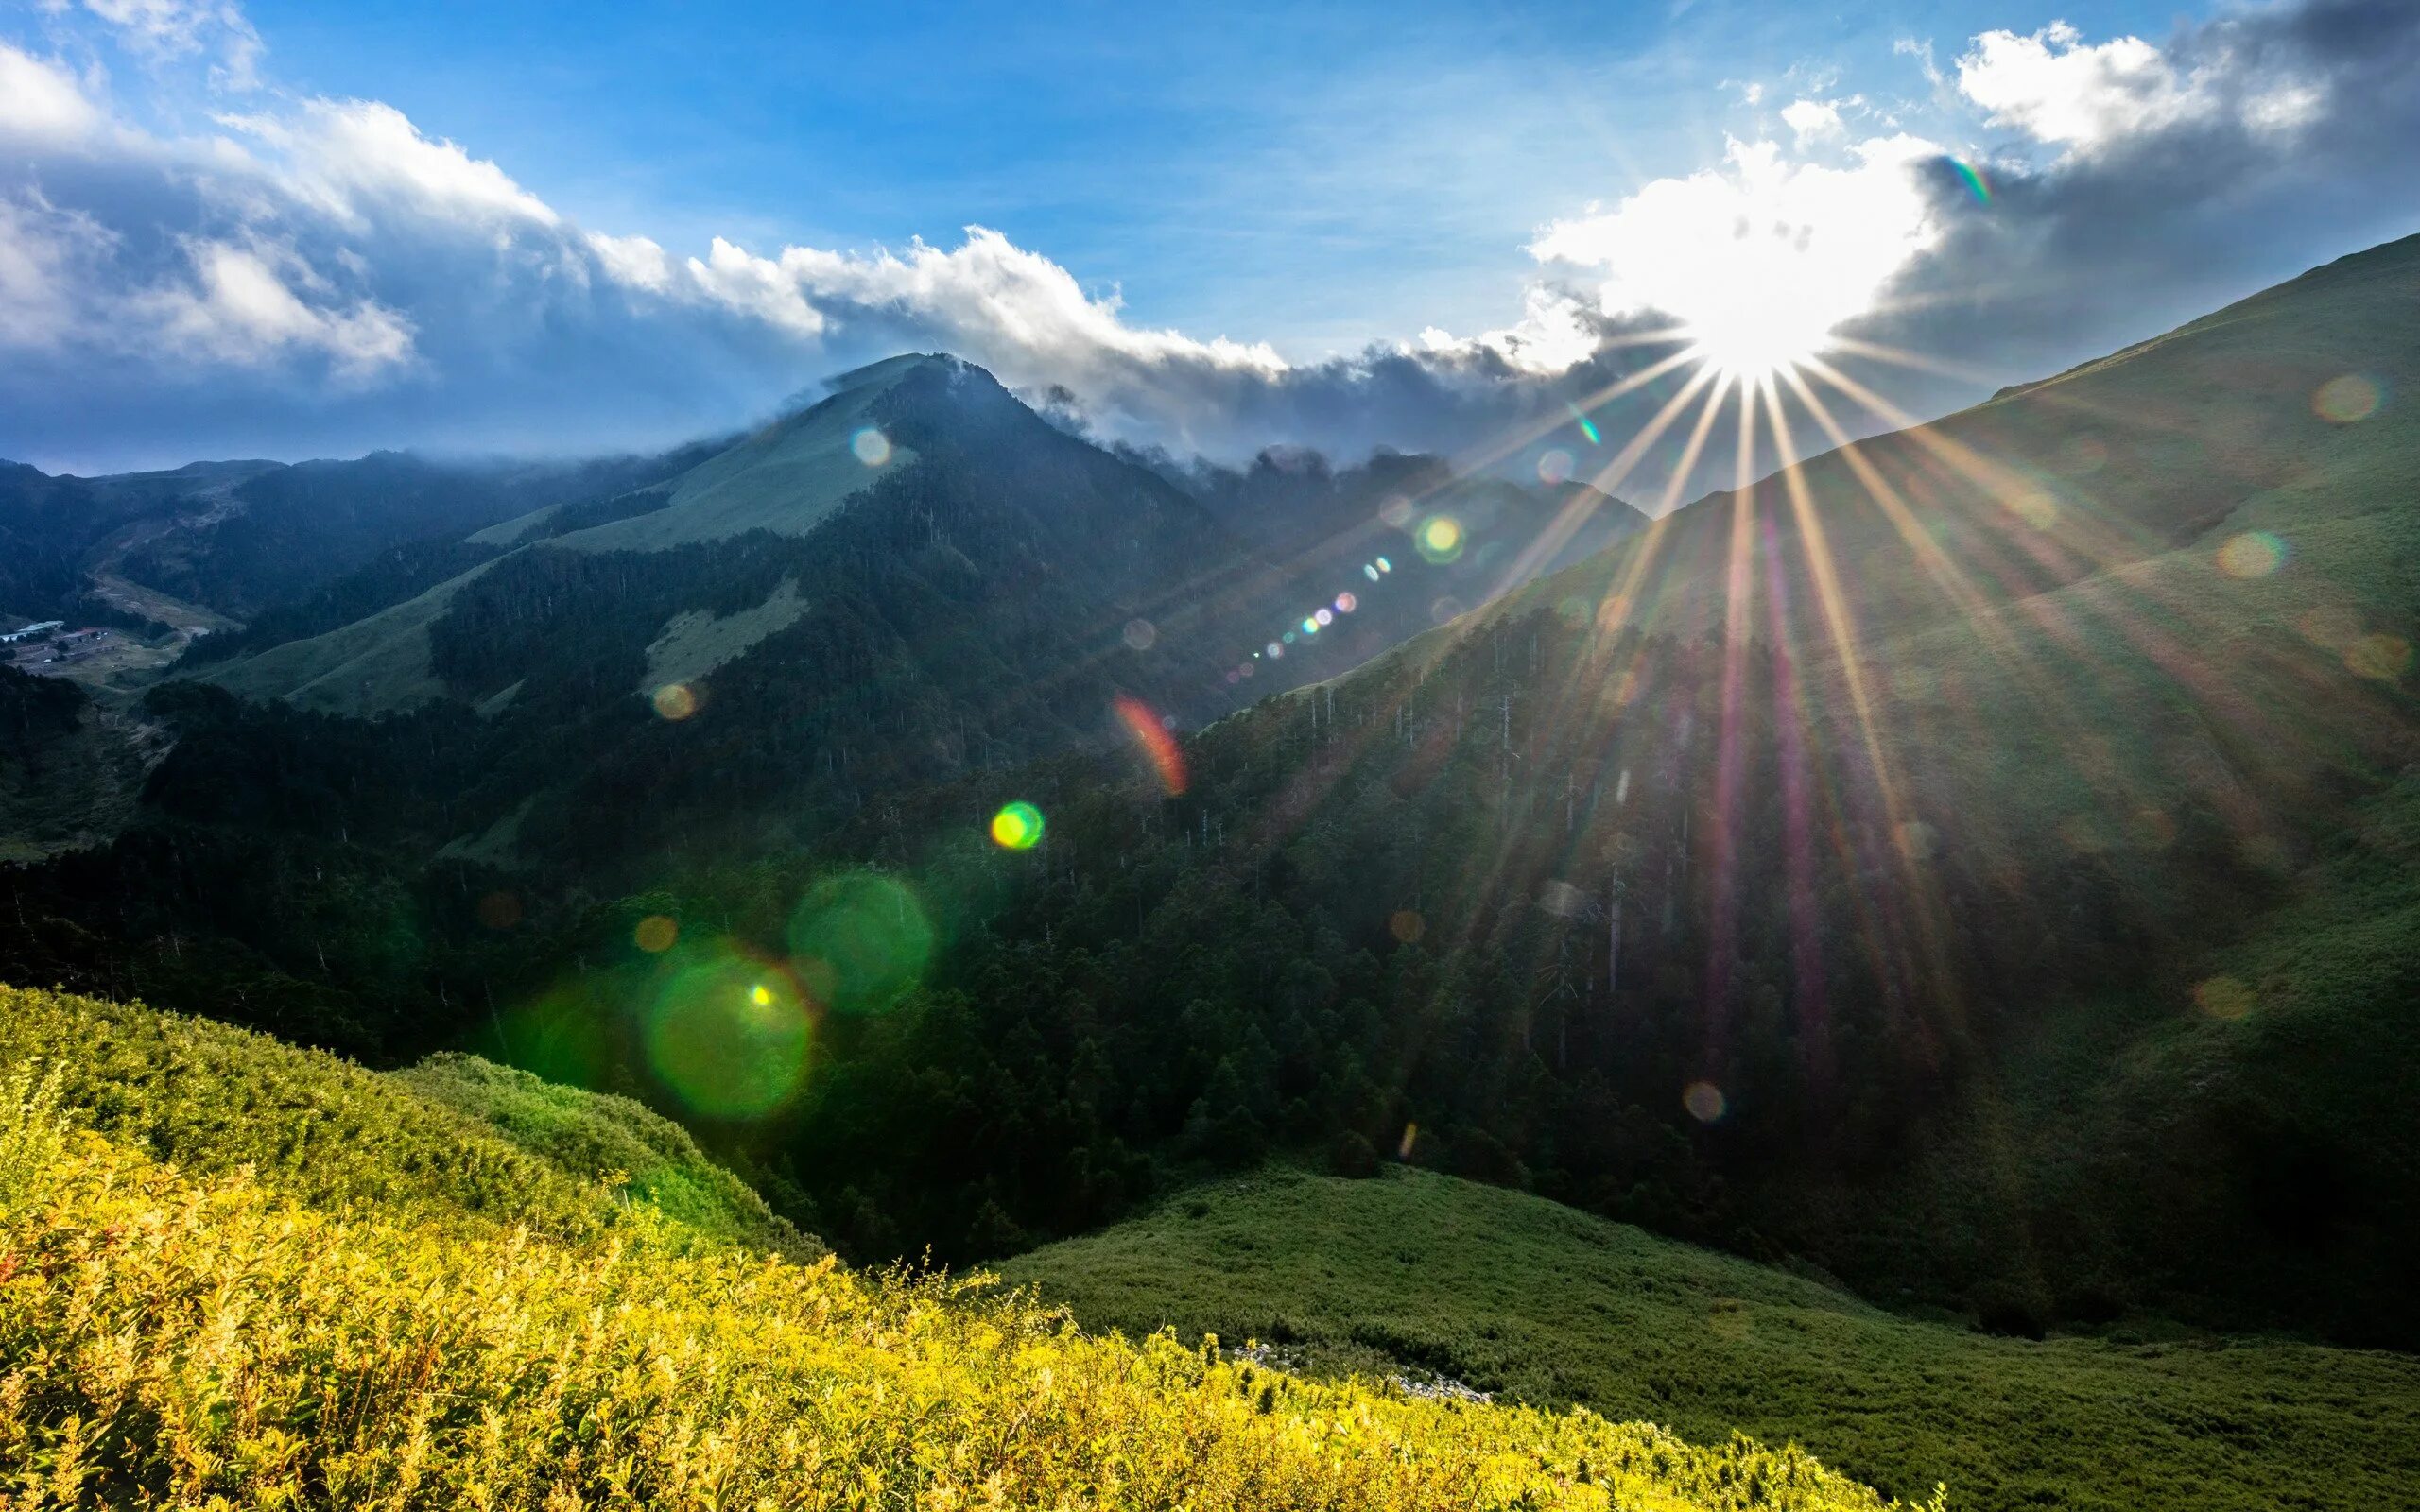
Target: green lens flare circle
point(729, 1036)
point(1018, 827)
point(861, 943)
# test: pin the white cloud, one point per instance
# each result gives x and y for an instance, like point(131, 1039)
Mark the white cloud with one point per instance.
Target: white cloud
point(2058, 89)
point(41, 102)
point(48, 257)
point(240, 307)
point(1766, 255)
point(166, 29)
point(1813, 121)
point(344, 154)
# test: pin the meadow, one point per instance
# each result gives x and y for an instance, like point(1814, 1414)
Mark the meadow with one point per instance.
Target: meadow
point(1419, 1273)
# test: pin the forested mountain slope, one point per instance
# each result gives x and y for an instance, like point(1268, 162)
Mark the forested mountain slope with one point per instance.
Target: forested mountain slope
point(1977, 862)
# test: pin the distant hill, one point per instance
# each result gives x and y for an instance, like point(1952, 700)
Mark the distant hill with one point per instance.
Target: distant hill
point(212, 545)
point(1425, 1275)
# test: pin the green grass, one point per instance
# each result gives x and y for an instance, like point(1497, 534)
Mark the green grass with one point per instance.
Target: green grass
point(1516, 1295)
point(453, 1138)
point(787, 478)
point(374, 665)
point(236, 1273)
point(694, 642)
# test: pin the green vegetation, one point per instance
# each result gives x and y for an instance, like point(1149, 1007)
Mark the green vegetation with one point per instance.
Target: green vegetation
point(1976, 866)
point(68, 769)
point(1517, 1296)
point(172, 1339)
point(451, 1140)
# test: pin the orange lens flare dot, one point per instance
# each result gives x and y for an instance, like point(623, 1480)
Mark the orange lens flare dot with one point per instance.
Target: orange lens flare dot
point(655, 933)
point(675, 700)
point(2253, 554)
point(2224, 997)
point(2347, 400)
point(1150, 733)
point(1704, 1101)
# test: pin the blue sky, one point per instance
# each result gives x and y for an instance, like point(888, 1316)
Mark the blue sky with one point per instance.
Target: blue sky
point(1314, 176)
point(293, 230)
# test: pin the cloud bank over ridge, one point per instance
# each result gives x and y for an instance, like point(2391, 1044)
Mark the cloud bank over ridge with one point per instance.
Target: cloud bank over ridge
point(193, 261)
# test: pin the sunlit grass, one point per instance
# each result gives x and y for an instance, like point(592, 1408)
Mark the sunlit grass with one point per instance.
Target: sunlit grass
point(172, 1341)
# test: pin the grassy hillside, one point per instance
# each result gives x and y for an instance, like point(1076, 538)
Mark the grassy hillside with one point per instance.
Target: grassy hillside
point(282, 1334)
point(1515, 1294)
point(451, 1139)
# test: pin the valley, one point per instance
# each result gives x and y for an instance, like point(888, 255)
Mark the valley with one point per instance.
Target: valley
point(1913, 957)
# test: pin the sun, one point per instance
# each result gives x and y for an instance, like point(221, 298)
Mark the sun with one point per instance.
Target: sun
point(1749, 334)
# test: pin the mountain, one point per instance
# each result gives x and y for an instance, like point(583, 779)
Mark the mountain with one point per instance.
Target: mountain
point(1968, 863)
point(212, 545)
point(1978, 862)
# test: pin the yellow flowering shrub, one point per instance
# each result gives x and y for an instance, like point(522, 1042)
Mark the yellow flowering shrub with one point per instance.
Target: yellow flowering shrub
point(179, 1342)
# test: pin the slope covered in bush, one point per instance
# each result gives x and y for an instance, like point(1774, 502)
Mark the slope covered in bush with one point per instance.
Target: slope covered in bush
point(452, 1139)
point(171, 1339)
point(1536, 1301)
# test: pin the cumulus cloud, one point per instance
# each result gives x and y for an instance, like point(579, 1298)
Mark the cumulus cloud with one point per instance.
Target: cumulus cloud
point(2056, 88)
point(1812, 121)
point(280, 275)
point(40, 103)
point(2140, 184)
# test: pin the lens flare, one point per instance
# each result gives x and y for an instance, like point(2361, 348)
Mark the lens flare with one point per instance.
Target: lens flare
point(1018, 827)
point(1140, 635)
point(1440, 539)
point(1347, 603)
point(2347, 400)
point(1273, 651)
point(1311, 626)
point(1325, 615)
point(500, 910)
point(1406, 926)
point(1396, 512)
point(1370, 570)
point(1971, 175)
point(871, 446)
point(1385, 566)
point(729, 1034)
point(655, 933)
point(1704, 1101)
point(1554, 467)
point(861, 941)
point(675, 701)
point(2253, 554)
point(1159, 747)
point(2386, 658)
point(2224, 997)
point(1587, 426)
